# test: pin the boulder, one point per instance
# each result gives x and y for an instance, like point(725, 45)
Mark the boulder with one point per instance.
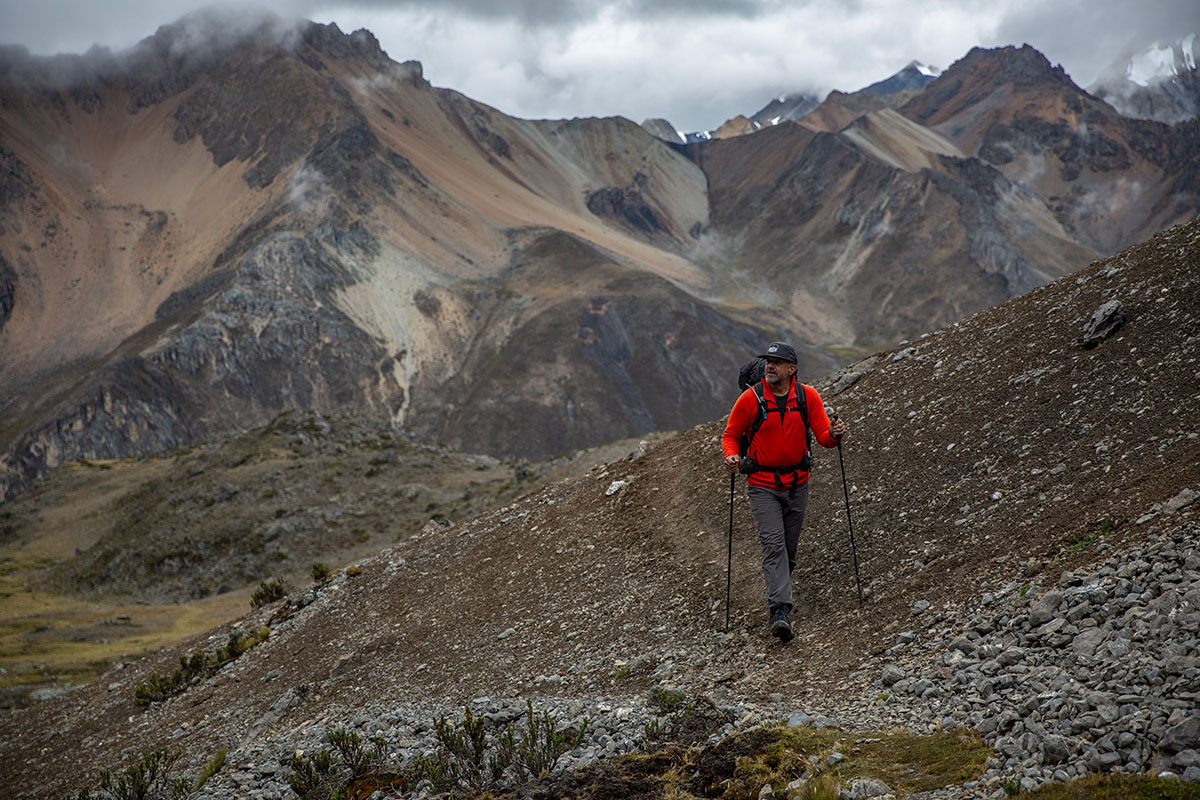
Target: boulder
point(1103, 323)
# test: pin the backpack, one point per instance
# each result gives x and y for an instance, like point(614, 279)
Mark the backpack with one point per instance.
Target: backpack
point(750, 376)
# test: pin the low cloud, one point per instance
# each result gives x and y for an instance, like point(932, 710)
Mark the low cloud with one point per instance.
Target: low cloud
point(307, 191)
point(693, 62)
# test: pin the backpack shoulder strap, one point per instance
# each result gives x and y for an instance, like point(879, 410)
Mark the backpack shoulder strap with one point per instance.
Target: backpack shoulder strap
point(803, 404)
point(760, 417)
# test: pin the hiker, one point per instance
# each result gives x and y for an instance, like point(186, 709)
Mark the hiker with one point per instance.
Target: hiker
point(776, 460)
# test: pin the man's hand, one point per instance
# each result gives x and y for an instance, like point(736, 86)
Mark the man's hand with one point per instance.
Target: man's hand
point(732, 463)
point(837, 428)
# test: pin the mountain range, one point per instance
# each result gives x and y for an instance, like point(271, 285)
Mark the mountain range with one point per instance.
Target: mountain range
point(217, 226)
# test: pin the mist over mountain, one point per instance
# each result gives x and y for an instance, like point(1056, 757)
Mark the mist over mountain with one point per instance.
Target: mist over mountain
point(212, 228)
point(1159, 83)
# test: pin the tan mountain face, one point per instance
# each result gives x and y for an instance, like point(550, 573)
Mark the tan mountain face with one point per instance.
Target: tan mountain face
point(290, 219)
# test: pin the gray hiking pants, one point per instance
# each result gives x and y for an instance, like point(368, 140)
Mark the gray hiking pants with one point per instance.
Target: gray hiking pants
point(779, 516)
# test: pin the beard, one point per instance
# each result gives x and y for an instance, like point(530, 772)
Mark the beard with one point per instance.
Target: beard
point(778, 381)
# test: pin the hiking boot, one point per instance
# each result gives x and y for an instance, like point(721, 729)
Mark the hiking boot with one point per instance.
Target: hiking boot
point(780, 626)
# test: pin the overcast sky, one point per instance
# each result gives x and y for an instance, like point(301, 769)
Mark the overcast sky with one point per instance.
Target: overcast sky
point(694, 62)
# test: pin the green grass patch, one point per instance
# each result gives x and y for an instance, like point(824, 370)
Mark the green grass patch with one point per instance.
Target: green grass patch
point(1117, 787)
point(1077, 542)
point(908, 763)
point(912, 763)
point(1085, 539)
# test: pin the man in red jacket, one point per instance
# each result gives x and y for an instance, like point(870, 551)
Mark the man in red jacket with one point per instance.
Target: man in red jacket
point(777, 463)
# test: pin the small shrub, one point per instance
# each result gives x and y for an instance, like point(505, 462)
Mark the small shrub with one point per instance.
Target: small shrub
point(668, 701)
point(469, 759)
point(659, 731)
point(320, 572)
point(687, 720)
point(268, 592)
point(435, 771)
point(466, 745)
point(542, 744)
point(311, 775)
point(148, 777)
point(196, 668)
point(354, 752)
point(328, 774)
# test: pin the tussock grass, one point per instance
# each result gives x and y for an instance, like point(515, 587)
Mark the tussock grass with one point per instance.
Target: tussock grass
point(1117, 787)
point(738, 768)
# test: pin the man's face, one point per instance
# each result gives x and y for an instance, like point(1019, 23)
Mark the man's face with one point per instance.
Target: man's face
point(777, 369)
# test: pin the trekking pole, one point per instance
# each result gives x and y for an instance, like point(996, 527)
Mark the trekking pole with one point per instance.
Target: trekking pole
point(729, 554)
point(849, 521)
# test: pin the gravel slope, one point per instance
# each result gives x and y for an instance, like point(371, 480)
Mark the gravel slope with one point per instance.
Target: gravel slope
point(985, 460)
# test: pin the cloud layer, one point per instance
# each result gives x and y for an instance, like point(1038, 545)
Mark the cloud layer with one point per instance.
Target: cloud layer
point(694, 62)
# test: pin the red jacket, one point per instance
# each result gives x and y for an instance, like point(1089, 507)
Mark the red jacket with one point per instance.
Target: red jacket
point(777, 444)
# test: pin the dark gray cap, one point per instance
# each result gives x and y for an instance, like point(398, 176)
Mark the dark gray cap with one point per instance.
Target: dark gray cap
point(780, 350)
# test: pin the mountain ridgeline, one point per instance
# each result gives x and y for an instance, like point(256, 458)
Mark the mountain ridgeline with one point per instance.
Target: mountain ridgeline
point(225, 223)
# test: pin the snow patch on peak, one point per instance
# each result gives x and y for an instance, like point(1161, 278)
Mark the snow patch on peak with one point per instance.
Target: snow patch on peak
point(926, 69)
point(1151, 65)
point(1160, 62)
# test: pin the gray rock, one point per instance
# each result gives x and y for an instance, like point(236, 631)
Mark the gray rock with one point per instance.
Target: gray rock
point(1180, 501)
point(1184, 736)
point(1043, 610)
point(1055, 750)
point(1086, 643)
point(1104, 322)
point(963, 645)
point(860, 788)
point(891, 675)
